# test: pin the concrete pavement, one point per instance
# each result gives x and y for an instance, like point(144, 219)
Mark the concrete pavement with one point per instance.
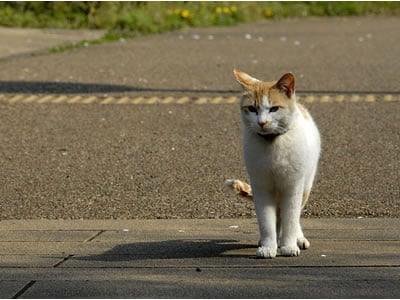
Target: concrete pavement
point(348, 258)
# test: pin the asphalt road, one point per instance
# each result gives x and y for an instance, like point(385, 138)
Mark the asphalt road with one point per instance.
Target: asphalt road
point(170, 161)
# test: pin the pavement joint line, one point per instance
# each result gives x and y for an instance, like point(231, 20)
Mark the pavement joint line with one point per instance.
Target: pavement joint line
point(94, 236)
point(24, 289)
point(63, 260)
point(202, 100)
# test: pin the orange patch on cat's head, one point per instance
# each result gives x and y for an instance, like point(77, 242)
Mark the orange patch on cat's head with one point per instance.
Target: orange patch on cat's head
point(278, 92)
point(276, 98)
point(245, 80)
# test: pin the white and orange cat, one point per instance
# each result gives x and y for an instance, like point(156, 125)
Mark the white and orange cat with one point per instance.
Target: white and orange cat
point(281, 146)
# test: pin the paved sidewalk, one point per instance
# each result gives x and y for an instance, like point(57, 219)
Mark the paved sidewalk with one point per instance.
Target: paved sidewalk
point(348, 258)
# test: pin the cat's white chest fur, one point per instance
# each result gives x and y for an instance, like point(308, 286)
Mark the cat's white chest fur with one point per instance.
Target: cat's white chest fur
point(287, 159)
point(281, 146)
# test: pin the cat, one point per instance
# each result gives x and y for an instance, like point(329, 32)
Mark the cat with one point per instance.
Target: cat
point(281, 148)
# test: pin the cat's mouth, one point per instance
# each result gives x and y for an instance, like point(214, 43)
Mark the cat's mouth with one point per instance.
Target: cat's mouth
point(268, 135)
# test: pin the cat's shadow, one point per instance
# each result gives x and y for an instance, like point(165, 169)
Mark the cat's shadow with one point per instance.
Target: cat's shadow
point(169, 249)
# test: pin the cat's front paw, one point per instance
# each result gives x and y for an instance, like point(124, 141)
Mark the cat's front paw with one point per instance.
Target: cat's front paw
point(290, 251)
point(266, 252)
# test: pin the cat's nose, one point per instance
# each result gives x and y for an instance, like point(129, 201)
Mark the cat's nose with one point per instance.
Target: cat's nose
point(261, 124)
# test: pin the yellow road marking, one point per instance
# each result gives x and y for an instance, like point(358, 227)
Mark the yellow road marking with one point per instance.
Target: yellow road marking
point(76, 99)
point(201, 100)
point(108, 100)
point(216, 100)
point(123, 100)
point(30, 99)
point(167, 100)
point(44, 99)
point(232, 100)
point(339, 98)
point(325, 99)
point(309, 99)
point(388, 98)
point(370, 98)
point(137, 100)
point(16, 98)
point(183, 100)
point(59, 99)
point(152, 100)
point(89, 100)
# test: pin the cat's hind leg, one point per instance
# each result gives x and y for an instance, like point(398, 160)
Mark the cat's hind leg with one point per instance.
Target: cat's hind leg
point(302, 242)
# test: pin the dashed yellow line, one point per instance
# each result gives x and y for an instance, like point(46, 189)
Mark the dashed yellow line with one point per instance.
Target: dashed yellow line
point(183, 100)
point(388, 98)
point(30, 99)
point(75, 99)
point(155, 100)
point(59, 99)
point(44, 99)
point(137, 100)
point(16, 98)
point(107, 100)
point(355, 98)
point(339, 98)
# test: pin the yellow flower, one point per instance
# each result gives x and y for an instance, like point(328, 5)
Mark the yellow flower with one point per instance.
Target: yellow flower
point(218, 10)
point(177, 11)
point(185, 14)
point(226, 10)
point(233, 9)
point(268, 12)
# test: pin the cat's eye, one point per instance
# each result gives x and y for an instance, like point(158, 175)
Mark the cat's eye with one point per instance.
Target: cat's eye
point(274, 109)
point(252, 109)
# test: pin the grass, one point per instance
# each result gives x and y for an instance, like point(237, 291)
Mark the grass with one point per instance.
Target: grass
point(131, 19)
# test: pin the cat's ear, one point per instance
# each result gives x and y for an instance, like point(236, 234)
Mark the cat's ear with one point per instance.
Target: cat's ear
point(286, 84)
point(245, 80)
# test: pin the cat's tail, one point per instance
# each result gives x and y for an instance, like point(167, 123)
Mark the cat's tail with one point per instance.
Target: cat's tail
point(239, 187)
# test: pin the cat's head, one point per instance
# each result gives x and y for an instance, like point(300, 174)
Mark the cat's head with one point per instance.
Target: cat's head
point(267, 108)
